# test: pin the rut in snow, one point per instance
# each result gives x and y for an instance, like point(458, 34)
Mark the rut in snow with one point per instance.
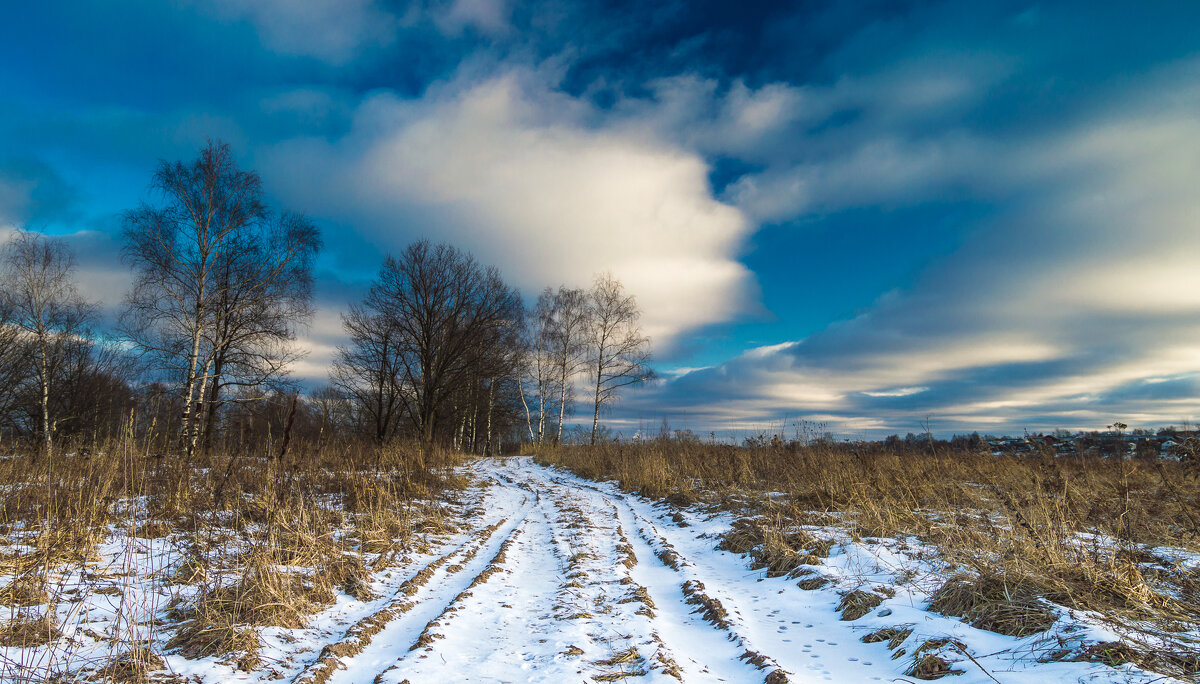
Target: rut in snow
point(564, 580)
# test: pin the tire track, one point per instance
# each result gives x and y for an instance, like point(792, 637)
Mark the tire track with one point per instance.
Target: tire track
point(362, 658)
point(683, 601)
point(360, 635)
point(429, 633)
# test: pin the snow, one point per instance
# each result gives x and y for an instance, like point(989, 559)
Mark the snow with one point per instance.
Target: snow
point(537, 591)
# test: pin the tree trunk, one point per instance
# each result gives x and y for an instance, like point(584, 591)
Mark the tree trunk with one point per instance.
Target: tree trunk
point(541, 431)
point(210, 415)
point(474, 428)
point(541, 385)
point(44, 373)
point(599, 381)
point(190, 389)
point(528, 418)
point(596, 411)
point(426, 451)
point(194, 438)
point(562, 402)
point(487, 448)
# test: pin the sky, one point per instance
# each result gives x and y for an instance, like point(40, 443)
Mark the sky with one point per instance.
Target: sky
point(870, 216)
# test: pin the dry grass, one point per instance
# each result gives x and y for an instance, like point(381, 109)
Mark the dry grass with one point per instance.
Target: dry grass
point(134, 666)
point(25, 630)
point(772, 546)
point(22, 592)
point(1017, 529)
point(990, 602)
point(858, 603)
point(708, 607)
point(264, 541)
point(893, 635)
point(628, 663)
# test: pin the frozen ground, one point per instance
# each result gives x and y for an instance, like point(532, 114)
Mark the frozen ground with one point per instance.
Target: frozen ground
point(566, 580)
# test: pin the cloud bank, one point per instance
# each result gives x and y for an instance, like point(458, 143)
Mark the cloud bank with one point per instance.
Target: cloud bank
point(1075, 305)
point(521, 174)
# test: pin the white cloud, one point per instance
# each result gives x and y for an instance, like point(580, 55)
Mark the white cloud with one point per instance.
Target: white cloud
point(1079, 291)
point(897, 392)
point(517, 173)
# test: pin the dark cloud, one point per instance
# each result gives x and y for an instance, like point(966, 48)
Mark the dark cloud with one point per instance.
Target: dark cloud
point(32, 193)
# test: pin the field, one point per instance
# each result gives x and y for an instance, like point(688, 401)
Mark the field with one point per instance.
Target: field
point(661, 561)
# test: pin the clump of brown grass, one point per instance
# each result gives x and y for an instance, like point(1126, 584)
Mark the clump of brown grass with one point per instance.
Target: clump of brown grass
point(23, 592)
point(642, 596)
point(895, 636)
point(668, 556)
point(991, 602)
point(709, 608)
point(1181, 663)
point(29, 630)
point(773, 547)
point(928, 664)
point(221, 619)
point(776, 677)
point(812, 583)
point(217, 634)
point(130, 667)
point(628, 658)
point(1115, 654)
point(858, 603)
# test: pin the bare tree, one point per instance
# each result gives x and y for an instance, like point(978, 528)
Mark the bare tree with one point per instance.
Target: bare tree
point(367, 370)
point(16, 368)
point(331, 408)
point(569, 328)
point(536, 372)
point(216, 280)
point(452, 317)
point(45, 308)
point(496, 359)
point(263, 293)
point(619, 353)
point(92, 392)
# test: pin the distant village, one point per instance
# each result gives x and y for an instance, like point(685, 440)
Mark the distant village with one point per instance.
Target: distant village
point(1167, 443)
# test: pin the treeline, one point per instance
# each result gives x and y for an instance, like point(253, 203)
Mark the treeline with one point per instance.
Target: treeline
point(441, 351)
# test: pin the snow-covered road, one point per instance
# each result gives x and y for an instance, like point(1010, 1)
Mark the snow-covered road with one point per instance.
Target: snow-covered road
point(566, 580)
point(535, 575)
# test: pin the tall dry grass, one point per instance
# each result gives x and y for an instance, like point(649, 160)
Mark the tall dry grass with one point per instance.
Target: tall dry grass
point(266, 535)
point(1090, 534)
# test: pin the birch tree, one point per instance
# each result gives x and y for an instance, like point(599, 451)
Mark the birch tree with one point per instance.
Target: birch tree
point(214, 275)
point(536, 376)
point(570, 326)
point(619, 354)
point(263, 286)
point(45, 310)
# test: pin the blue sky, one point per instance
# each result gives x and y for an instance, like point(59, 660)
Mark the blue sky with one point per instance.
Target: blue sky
point(860, 214)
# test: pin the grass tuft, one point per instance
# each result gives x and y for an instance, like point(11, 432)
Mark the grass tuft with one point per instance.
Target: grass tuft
point(992, 603)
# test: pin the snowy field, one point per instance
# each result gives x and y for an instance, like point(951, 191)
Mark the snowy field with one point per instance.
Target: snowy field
point(559, 579)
